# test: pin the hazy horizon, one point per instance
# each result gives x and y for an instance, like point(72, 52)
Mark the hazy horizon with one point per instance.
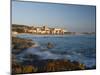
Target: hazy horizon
point(74, 18)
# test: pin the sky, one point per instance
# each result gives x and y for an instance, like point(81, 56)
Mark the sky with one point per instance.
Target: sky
point(74, 18)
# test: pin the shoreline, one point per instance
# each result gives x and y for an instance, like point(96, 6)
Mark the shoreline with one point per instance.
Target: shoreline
point(14, 35)
point(48, 65)
point(33, 65)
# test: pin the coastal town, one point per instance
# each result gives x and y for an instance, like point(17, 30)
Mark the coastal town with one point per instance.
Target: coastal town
point(37, 30)
point(43, 30)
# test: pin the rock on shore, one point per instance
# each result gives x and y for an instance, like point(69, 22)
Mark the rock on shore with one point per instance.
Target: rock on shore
point(19, 44)
point(46, 66)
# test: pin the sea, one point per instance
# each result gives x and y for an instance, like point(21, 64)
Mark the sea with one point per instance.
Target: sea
point(79, 47)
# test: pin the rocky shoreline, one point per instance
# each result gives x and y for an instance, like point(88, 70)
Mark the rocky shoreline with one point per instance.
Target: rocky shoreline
point(19, 44)
point(34, 65)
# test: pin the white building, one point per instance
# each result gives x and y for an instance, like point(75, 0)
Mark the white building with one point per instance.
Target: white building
point(45, 30)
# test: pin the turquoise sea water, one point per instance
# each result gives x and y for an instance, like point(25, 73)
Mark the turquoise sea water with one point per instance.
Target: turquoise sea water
point(80, 48)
